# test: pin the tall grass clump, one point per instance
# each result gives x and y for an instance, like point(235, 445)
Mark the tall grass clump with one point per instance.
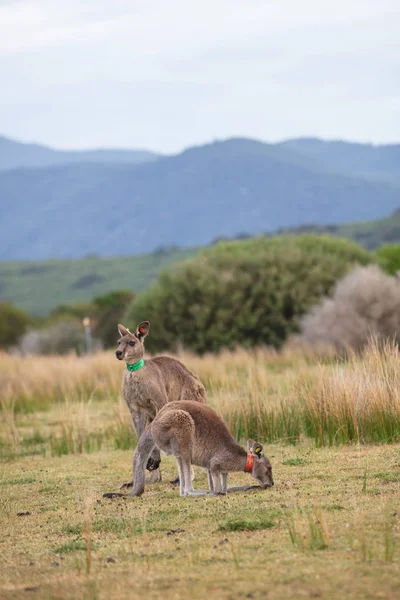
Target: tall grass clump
point(263, 394)
point(77, 434)
point(33, 383)
point(357, 400)
point(253, 400)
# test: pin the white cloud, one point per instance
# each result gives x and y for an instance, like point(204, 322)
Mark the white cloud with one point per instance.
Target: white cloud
point(169, 74)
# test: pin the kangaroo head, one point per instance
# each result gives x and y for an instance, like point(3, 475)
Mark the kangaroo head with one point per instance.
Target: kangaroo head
point(130, 346)
point(262, 470)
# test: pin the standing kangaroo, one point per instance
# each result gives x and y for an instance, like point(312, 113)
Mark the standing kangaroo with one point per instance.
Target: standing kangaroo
point(148, 385)
point(195, 434)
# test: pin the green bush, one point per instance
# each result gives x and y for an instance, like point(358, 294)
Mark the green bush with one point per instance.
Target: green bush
point(13, 324)
point(246, 293)
point(389, 258)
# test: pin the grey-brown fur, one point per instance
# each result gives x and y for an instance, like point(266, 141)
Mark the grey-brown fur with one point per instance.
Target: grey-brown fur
point(161, 380)
point(195, 434)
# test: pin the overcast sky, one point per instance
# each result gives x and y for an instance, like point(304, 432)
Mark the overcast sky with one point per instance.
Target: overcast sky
point(167, 74)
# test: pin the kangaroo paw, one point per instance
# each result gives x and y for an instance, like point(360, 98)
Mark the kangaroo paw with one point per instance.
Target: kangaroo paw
point(152, 465)
point(196, 493)
point(175, 481)
point(242, 488)
point(129, 484)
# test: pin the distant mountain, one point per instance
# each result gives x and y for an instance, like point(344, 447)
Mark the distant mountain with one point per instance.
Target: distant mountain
point(216, 190)
point(370, 234)
point(16, 154)
point(367, 160)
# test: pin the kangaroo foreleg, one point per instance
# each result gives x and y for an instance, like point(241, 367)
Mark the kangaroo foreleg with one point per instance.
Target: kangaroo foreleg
point(154, 460)
point(216, 477)
point(153, 464)
point(140, 421)
point(181, 478)
point(223, 479)
point(210, 481)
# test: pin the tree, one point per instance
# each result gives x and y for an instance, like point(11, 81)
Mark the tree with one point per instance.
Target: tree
point(246, 293)
point(13, 324)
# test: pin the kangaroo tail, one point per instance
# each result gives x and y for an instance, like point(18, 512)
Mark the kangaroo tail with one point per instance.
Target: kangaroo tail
point(144, 448)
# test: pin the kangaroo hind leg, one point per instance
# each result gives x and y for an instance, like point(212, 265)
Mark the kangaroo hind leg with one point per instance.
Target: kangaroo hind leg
point(187, 473)
point(179, 431)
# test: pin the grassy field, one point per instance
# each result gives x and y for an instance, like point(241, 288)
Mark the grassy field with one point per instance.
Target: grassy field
point(330, 527)
point(40, 286)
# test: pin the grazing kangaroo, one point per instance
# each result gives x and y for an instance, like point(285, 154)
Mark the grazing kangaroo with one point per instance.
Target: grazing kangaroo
point(195, 434)
point(148, 385)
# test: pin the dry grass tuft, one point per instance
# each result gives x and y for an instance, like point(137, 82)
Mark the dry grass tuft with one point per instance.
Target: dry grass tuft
point(273, 396)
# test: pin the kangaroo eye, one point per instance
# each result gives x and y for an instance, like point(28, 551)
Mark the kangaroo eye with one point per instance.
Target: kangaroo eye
point(132, 343)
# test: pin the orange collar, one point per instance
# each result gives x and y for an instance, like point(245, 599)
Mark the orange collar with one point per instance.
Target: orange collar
point(249, 463)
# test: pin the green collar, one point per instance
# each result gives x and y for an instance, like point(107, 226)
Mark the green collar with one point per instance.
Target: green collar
point(135, 366)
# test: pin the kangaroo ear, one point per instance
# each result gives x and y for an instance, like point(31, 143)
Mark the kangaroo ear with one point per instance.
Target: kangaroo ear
point(143, 329)
point(255, 448)
point(122, 330)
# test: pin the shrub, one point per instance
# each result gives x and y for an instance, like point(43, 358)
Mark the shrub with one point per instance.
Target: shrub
point(365, 303)
point(247, 293)
point(13, 324)
point(58, 338)
point(389, 258)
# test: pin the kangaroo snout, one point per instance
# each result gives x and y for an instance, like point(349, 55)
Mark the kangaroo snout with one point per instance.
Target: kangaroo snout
point(267, 485)
point(119, 354)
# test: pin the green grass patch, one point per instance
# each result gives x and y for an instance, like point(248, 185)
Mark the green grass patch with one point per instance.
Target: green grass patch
point(123, 436)
point(294, 462)
point(75, 441)
point(36, 439)
point(247, 524)
point(282, 424)
point(73, 529)
point(118, 526)
point(388, 477)
point(307, 530)
point(20, 481)
point(369, 427)
point(71, 546)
